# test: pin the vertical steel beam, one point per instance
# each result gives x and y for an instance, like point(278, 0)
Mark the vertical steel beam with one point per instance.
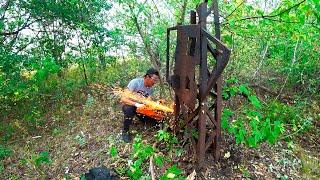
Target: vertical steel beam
point(191, 50)
point(193, 17)
point(202, 11)
point(218, 88)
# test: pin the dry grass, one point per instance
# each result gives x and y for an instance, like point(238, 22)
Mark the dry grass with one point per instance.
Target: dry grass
point(80, 138)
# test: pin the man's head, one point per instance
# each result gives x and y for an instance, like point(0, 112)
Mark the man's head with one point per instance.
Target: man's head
point(151, 77)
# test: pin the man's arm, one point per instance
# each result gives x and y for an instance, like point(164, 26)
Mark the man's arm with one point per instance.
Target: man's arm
point(128, 101)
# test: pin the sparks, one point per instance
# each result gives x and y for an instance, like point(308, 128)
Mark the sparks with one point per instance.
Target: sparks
point(147, 101)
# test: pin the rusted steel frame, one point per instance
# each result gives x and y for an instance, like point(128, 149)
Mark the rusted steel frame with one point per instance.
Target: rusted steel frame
point(186, 59)
point(193, 17)
point(193, 142)
point(211, 117)
point(213, 94)
point(217, 116)
point(214, 52)
point(218, 87)
point(168, 52)
point(210, 140)
point(202, 10)
point(176, 100)
point(221, 64)
point(184, 112)
point(214, 104)
point(176, 107)
point(190, 117)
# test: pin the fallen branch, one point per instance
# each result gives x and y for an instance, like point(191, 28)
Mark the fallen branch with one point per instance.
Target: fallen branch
point(153, 176)
point(282, 96)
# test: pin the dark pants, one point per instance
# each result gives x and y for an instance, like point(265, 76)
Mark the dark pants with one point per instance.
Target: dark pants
point(129, 113)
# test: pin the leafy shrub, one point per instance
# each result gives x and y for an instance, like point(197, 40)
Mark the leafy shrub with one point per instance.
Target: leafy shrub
point(119, 73)
point(42, 158)
point(141, 152)
point(167, 138)
point(4, 152)
point(253, 124)
point(173, 173)
point(256, 123)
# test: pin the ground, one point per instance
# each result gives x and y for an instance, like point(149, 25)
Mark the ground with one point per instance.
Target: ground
point(79, 135)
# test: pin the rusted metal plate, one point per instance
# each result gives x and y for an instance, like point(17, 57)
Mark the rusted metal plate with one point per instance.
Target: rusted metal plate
point(191, 100)
point(186, 57)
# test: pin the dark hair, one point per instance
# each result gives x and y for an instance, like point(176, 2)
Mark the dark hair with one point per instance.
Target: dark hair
point(152, 71)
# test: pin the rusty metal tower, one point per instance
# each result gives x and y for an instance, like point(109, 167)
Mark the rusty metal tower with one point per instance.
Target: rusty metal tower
point(193, 82)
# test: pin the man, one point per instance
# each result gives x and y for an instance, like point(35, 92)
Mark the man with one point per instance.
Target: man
point(142, 86)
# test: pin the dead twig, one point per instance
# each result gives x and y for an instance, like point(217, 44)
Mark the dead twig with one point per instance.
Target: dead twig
point(261, 62)
point(265, 89)
point(292, 63)
point(153, 176)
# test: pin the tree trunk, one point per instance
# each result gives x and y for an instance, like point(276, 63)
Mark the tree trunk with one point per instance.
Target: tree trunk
point(183, 12)
point(153, 57)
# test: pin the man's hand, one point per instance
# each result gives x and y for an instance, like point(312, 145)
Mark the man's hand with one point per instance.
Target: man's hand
point(138, 105)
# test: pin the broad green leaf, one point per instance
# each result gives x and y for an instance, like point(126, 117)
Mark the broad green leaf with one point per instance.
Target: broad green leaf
point(255, 101)
point(243, 89)
point(159, 160)
point(113, 151)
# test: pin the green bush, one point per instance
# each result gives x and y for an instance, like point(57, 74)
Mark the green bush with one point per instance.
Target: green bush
point(4, 152)
point(256, 122)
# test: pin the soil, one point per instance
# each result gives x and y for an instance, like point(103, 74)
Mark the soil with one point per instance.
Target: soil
point(79, 138)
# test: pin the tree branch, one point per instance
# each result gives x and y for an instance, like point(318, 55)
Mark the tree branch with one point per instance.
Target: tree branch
point(19, 29)
point(155, 62)
point(261, 62)
point(234, 10)
point(283, 97)
point(183, 12)
point(271, 16)
point(153, 176)
point(5, 7)
point(292, 63)
point(155, 5)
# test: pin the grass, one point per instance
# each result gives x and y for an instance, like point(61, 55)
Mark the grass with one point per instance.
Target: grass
point(310, 163)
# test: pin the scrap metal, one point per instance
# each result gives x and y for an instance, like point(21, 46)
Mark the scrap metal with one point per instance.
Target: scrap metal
point(193, 81)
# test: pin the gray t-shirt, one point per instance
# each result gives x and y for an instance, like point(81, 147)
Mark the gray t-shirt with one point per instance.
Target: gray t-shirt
point(137, 85)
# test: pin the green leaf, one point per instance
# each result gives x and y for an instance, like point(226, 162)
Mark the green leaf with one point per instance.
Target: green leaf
point(172, 173)
point(226, 114)
point(302, 19)
point(4, 152)
point(113, 151)
point(225, 95)
point(232, 23)
point(233, 90)
point(232, 80)
point(243, 89)
point(252, 141)
point(42, 158)
point(159, 160)
point(266, 128)
point(255, 101)
point(240, 135)
point(227, 39)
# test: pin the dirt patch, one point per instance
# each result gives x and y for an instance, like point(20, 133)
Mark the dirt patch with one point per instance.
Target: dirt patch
point(82, 139)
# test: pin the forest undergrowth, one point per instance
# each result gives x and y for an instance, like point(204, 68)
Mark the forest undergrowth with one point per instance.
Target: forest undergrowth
point(86, 134)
